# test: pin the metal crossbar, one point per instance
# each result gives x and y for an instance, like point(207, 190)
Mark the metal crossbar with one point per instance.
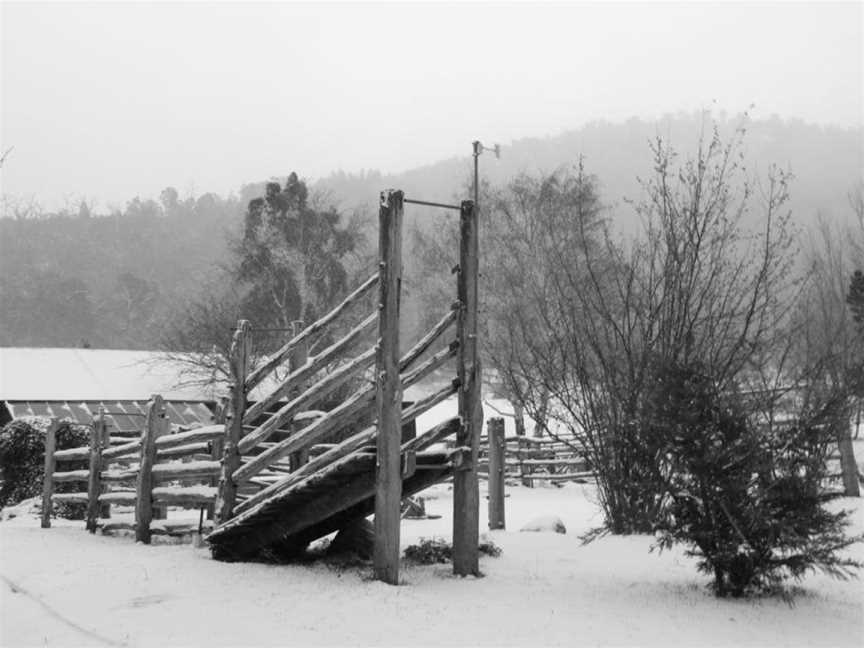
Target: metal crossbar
point(432, 204)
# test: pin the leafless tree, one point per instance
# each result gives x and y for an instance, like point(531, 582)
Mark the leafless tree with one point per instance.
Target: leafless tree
point(590, 318)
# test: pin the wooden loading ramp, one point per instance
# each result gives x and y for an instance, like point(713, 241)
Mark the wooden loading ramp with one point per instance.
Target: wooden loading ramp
point(324, 502)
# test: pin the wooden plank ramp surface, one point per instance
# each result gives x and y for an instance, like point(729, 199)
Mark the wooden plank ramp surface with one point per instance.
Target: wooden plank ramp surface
point(323, 502)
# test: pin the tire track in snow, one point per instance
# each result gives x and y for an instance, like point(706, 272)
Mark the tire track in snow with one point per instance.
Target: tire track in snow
point(17, 589)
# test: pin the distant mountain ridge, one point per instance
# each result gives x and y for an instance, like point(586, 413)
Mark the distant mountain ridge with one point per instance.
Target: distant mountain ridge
point(827, 162)
point(112, 281)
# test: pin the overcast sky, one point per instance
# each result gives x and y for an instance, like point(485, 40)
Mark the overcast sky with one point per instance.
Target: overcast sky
point(107, 101)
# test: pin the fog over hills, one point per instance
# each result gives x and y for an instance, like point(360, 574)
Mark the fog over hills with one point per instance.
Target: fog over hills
point(826, 162)
point(112, 280)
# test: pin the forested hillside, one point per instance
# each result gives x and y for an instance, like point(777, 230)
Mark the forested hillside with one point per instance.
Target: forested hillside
point(108, 281)
point(826, 162)
point(112, 281)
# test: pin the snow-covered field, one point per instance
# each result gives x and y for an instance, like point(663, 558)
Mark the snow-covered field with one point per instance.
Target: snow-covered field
point(65, 587)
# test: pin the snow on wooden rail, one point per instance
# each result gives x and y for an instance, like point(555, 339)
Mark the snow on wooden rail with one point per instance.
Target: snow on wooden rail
point(280, 356)
point(355, 442)
point(343, 452)
point(105, 483)
point(308, 398)
point(361, 402)
point(312, 366)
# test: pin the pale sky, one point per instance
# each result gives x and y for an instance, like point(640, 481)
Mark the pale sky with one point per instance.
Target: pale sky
point(107, 101)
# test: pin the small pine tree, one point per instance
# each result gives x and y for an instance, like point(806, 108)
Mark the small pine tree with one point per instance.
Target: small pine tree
point(746, 499)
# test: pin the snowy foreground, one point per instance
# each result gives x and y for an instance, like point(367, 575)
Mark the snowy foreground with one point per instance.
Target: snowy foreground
point(74, 589)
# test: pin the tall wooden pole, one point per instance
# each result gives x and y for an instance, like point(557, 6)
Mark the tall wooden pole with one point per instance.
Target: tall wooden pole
point(497, 467)
point(239, 361)
point(388, 400)
point(466, 496)
point(50, 464)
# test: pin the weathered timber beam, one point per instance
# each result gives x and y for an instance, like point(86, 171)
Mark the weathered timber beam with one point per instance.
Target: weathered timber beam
point(427, 340)
point(98, 437)
point(551, 462)
point(466, 495)
point(118, 497)
point(241, 517)
point(332, 420)
point(159, 527)
point(119, 475)
point(182, 451)
point(131, 448)
point(279, 357)
point(49, 465)
point(71, 475)
point(70, 497)
point(430, 365)
point(345, 412)
point(72, 454)
point(191, 470)
point(433, 435)
point(154, 424)
point(207, 433)
point(309, 397)
point(362, 438)
point(184, 495)
point(311, 367)
point(556, 477)
point(388, 399)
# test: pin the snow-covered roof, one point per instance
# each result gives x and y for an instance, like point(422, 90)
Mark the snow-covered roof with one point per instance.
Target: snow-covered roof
point(36, 374)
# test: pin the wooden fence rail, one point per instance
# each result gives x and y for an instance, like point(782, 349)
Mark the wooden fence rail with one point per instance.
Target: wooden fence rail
point(282, 354)
point(133, 474)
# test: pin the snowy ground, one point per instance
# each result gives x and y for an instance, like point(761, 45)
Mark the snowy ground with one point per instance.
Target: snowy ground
point(546, 589)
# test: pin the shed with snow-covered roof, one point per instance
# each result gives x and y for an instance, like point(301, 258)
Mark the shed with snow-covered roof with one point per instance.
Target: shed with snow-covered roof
point(73, 384)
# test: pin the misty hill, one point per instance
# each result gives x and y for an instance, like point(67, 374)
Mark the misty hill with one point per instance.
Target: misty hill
point(113, 280)
point(826, 162)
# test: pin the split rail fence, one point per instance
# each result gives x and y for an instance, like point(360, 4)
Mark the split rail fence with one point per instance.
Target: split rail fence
point(259, 451)
point(532, 460)
point(149, 474)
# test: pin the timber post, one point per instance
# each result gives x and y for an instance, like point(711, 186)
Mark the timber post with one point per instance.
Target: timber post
point(239, 361)
point(217, 449)
point(297, 358)
point(466, 496)
point(388, 397)
point(495, 434)
point(98, 441)
point(144, 487)
point(50, 465)
point(847, 461)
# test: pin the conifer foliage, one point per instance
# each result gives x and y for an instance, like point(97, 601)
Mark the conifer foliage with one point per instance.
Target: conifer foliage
point(747, 499)
point(290, 259)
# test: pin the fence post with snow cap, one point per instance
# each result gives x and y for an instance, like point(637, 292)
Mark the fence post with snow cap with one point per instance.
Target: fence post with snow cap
point(497, 449)
point(239, 360)
point(50, 464)
point(98, 440)
point(144, 488)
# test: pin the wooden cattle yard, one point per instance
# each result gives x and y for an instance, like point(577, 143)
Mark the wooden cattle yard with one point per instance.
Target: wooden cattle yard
point(266, 473)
